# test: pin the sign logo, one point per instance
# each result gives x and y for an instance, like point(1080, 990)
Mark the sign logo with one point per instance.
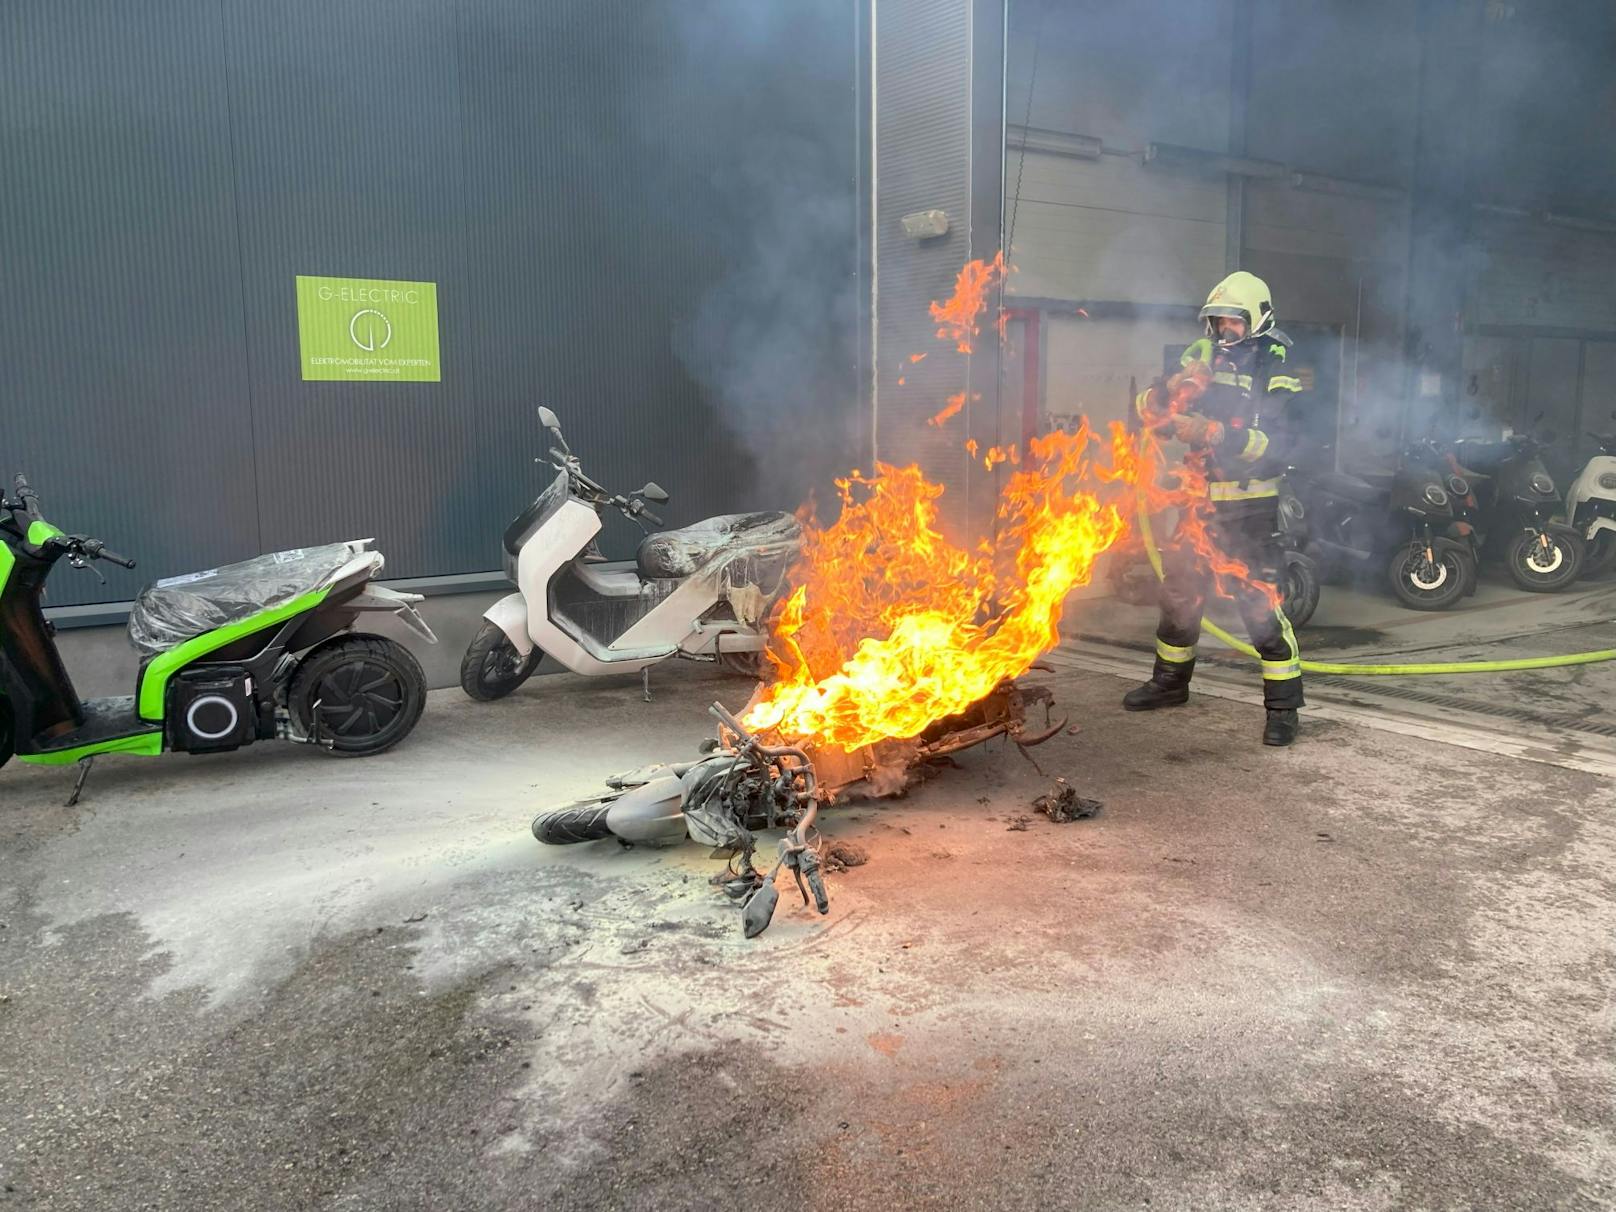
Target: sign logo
point(363, 329)
point(368, 328)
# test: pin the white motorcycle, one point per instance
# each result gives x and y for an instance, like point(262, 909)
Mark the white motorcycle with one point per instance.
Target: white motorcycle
point(703, 592)
point(1591, 506)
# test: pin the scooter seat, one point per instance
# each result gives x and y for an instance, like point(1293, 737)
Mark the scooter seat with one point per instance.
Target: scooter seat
point(171, 611)
point(1350, 488)
point(672, 554)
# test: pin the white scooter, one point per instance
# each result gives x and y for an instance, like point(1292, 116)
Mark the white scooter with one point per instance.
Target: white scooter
point(1591, 506)
point(703, 592)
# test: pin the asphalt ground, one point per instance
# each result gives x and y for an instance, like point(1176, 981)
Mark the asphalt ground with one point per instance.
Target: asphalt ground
point(1373, 971)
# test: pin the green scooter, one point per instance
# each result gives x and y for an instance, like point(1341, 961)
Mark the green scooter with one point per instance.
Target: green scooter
point(270, 647)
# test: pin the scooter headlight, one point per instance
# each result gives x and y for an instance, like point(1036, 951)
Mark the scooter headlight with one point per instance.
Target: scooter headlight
point(1459, 486)
point(1292, 509)
point(1542, 484)
point(1436, 495)
point(1607, 480)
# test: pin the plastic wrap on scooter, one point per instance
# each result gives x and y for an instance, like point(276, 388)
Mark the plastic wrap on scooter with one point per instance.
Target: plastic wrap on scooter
point(173, 610)
point(673, 554)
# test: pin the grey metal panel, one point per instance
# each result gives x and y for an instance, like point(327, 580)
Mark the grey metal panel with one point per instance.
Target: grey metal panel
point(625, 206)
point(122, 343)
point(348, 165)
point(922, 149)
point(554, 170)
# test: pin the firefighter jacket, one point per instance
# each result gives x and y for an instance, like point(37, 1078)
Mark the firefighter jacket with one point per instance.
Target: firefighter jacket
point(1252, 398)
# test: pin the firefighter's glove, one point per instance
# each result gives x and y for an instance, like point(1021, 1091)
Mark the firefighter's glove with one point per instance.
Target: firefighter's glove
point(1192, 379)
point(1193, 429)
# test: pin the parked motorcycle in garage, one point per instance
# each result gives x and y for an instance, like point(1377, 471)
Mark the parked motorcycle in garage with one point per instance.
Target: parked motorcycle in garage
point(1591, 506)
point(704, 591)
point(236, 654)
point(1517, 504)
point(1399, 525)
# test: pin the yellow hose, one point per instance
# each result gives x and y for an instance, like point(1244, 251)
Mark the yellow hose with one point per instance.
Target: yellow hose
point(1331, 667)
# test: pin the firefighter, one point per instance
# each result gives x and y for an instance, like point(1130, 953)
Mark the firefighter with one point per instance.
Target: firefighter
point(1238, 437)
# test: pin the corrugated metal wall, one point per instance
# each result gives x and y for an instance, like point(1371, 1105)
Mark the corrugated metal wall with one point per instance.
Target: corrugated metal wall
point(573, 176)
point(933, 59)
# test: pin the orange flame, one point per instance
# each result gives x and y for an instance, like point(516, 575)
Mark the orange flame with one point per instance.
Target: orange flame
point(958, 319)
point(892, 626)
point(955, 403)
point(1188, 493)
point(913, 358)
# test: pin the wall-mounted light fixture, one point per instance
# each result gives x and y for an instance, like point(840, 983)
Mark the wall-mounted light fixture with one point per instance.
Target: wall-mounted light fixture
point(925, 224)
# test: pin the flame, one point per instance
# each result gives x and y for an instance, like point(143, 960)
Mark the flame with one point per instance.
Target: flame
point(913, 358)
point(958, 319)
point(892, 626)
point(955, 403)
point(1184, 487)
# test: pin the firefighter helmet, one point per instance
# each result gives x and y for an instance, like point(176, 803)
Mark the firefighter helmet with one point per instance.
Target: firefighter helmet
point(1243, 296)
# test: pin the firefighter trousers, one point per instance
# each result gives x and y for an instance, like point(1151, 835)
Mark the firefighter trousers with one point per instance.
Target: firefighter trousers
point(1245, 534)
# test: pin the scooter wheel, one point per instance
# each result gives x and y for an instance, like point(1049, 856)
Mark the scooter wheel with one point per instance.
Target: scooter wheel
point(7, 741)
point(492, 667)
point(1429, 583)
point(1601, 556)
point(1545, 561)
point(359, 695)
point(584, 822)
point(1300, 589)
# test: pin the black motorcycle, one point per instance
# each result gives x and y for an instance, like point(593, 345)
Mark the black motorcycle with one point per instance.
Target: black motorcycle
point(1401, 525)
point(1514, 506)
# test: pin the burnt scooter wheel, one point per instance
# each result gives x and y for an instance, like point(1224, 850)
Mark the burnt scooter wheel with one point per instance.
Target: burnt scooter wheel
point(370, 692)
point(492, 667)
point(1429, 578)
point(1545, 561)
point(581, 822)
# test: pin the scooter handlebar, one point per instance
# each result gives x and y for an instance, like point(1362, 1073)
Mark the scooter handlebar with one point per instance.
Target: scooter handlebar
point(28, 498)
point(97, 550)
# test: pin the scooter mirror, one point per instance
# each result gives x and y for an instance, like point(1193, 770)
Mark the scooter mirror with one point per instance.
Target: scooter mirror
point(653, 492)
point(548, 419)
point(759, 910)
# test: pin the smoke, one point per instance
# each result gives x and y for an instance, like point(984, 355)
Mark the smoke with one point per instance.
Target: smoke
point(1444, 130)
point(772, 339)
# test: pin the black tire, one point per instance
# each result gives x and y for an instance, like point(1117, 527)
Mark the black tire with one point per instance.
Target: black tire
point(1544, 561)
point(1437, 583)
point(581, 822)
point(7, 741)
point(492, 667)
point(1601, 555)
point(1131, 577)
point(371, 693)
point(753, 666)
point(1300, 590)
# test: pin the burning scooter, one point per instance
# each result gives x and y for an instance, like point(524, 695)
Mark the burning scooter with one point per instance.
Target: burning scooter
point(740, 785)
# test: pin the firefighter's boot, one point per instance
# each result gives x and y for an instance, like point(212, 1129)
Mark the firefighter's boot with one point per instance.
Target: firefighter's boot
point(1154, 694)
point(1282, 726)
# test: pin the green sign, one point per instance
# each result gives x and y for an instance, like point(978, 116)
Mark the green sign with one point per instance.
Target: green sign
point(360, 328)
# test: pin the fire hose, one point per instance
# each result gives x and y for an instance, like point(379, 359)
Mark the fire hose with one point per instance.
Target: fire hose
point(1386, 670)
